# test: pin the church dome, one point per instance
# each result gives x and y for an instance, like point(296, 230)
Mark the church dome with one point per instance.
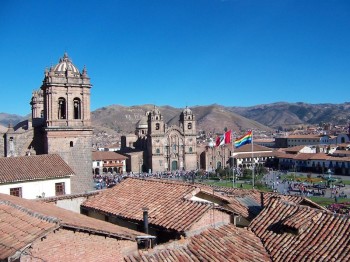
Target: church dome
point(66, 64)
point(155, 111)
point(187, 111)
point(142, 123)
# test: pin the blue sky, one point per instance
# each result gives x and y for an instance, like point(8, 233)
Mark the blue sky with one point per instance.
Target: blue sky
point(181, 52)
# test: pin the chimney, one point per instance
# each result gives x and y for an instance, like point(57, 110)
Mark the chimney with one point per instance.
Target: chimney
point(145, 220)
point(262, 199)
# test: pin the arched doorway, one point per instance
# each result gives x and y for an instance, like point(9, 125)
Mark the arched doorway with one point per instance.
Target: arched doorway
point(174, 165)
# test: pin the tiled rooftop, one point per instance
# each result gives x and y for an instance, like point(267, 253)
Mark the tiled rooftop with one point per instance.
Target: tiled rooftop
point(70, 219)
point(24, 222)
point(107, 155)
point(168, 203)
point(226, 243)
point(247, 203)
point(24, 168)
point(292, 232)
point(18, 228)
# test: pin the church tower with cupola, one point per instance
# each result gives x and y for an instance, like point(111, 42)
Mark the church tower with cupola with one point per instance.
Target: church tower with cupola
point(66, 115)
point(188, 126)
point(155, 139)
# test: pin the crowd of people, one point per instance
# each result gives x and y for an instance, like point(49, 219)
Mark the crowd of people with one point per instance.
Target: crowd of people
point(108, 180)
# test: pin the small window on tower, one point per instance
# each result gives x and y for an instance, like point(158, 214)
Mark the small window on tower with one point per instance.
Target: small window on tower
point(61, 108)
point(157, 126)
point(189, 126)
point(71, 143)
point(42, 113)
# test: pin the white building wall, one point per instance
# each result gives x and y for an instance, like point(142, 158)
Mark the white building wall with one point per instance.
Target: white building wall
point(72, 204)
point(33, 189)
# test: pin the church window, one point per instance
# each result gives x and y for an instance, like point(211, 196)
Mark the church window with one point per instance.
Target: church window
point(77, 108)
point(157, 151)
point(189, 117)
point(16, 191)
point(60, 189)
point(190, 149)
point(42, 113)
point(71, 143)
point(61, 108)
point(189, 126)
point(157, 126)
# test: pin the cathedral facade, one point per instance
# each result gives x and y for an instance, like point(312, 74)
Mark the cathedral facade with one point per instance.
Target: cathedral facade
point(165, 148)
point(60, 123)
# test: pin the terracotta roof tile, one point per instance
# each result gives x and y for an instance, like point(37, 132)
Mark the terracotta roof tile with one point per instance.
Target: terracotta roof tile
point(304, 136)
point(303, 156)
point(226, 243)
point(107, 155)
point(294, 148)
point(167, 202)
point(24, 168)
point(247, 203)
point(19, 227)
point(291, 232)
point(70, 219)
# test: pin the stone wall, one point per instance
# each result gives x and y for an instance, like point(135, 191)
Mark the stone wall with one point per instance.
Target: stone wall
point(213, 218)
point(75, 147)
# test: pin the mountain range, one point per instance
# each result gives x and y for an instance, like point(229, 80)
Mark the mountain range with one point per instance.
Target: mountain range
point(115, 120)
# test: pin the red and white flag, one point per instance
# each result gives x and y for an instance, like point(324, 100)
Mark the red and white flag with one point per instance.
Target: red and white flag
point(223, 139)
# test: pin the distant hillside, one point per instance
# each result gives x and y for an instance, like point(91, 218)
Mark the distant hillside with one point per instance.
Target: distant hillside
point(112, 121)
point(6, 119)
point(292, 114)
point(212, 118)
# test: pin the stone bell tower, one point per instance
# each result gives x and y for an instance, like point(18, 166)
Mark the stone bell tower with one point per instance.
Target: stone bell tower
point(67, 120)
point(155, 137)
point(188, 124)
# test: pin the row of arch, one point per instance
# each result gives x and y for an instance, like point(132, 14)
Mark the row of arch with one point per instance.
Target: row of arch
point(62, 108)
point(99, 171)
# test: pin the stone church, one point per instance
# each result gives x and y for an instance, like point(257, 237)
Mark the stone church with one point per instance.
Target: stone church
point(161, 148)
point(60, 123)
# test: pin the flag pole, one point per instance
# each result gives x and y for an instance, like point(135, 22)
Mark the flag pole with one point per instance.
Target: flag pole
point(233, 162)
point(253, 162)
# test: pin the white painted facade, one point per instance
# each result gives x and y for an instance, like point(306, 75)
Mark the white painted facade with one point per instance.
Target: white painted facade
point(72, 204)
point(38, 188)
point(104, 166)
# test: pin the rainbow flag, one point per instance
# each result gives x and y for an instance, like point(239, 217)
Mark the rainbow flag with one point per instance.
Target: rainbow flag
point(246, 139)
